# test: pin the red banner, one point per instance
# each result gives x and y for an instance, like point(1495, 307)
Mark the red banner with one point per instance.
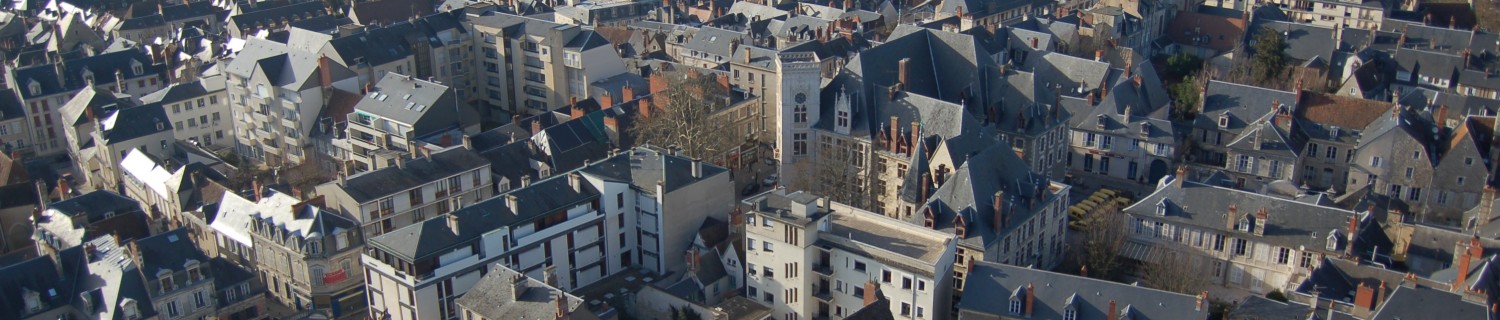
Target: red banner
point(335, 277)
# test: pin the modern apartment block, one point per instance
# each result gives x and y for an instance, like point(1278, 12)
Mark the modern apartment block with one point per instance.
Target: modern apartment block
point(809, 258)
point(637, 209)
point(412, 190)
point(397, 111)
point(276, 93)
point(529, 66)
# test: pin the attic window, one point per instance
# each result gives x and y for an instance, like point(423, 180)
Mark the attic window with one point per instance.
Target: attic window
point(1161, 207)
point(1145, 129)
point(1333, 241)
point(36, 88)
point(1015, 305)
point(1101, 119)
point(1245, 224)
point(33, 301)
point(137, 68)
point(1224, 121)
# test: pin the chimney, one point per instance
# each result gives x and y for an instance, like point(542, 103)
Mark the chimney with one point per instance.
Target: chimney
point(516, 119)
point(62, 189)
point(697, 168)
point(453, 223)
point(1112, 310)
point(1030, 296)
point(1380, 294)
point(892, 142)
point(468, 142)
point(575, 180)
point(574, 111)
point(1441, 119)
point(1201, 297)
point(561, 300)
point(1034, 43)
point(1487, 206)
point(901, 69)
point(536, 126)
point(255, 184)
point(119, 82)
point(1181, 176)
point(1099, 55)
point(549, 274)
point(999, 207)
point(325, 73)
point(517, 286)
point(870, 292)
point(1260, 222)
point(1364, 297)
point(916, 134)
point(1232, 216)
point(1353, 228)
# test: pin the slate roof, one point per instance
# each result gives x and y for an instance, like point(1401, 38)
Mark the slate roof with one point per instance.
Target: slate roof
point(1052, 293)
point(283, 65)
point(970, 192)
point(38, 275)
point(113, 279)
point(1292, 224)
point(101, 102)
point(374, 46)
point(186, 90)
point(409, 100)
point(167, 251)
point(644, 168)
point(493, 297)
point(376, 184)
point(1243, 104)
point(130, 123)
point(980, 8)
point(1420, 302)
point(96, 206)
point(388, 11)
point(274, 15)
point(1304, 42)
point(103, 66)
point(432, 237)
point(10, 106)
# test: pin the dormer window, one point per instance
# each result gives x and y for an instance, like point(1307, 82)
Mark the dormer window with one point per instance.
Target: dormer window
point(1223, 121)
point(137, 68)
point(194, 273)
point(1015, 304)
point(128, 307)
point(1145, 129)
point(35, 88)
point(1161, 207)
point(1070, 310)
point(1101, 119)
point(33, 300)
point(1333, 241)
point(164, 279)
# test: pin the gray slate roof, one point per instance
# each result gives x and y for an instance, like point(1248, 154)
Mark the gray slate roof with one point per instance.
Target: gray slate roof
point(372, 185)
point(1292, 224)
point(1053, 293)
point(494, 298)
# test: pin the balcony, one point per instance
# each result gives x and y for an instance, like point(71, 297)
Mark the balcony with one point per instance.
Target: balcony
point(823, 294)
point(823, 269)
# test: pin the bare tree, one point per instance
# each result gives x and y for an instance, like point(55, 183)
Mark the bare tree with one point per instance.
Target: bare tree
point(1104, 234)
point(835, 176)
point(1174, 271)
point(683, 115)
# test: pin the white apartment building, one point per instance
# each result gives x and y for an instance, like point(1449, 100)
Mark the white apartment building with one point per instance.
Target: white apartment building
point(275, 94)
point(575, 228)
point(198, 110)
point(810, 258)
point(411, 191)
point(396, 112)
point(529, 66)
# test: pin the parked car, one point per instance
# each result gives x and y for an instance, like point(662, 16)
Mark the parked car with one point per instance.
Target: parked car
point(770, 180)
point(750, 189)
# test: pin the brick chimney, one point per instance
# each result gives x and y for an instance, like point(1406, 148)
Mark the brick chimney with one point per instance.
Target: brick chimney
point(255, 184)
point(1380, 294)
point(1181, 176)
point(892, 142)
point(536, 126)
point(574, 111)
point(627, 93)
point(1099, 55)
point(916, 135)
point(870, 292)
point(1201, 297)
point(1113, 312)
point(1231, 217)
point(1353, 232)
point(1030, 297)
point(924, 189)
point(62, 189)
point(1364, 297)
point(1261, 219)
point(1441, 120)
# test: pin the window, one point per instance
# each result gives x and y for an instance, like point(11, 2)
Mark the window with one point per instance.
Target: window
point(859, 266)
point(1015, 306)
point(1283, 255)
point(1409, 172)
point(1414, 194)
point(770, 273)
point(905, 309)
point(885, 276)
point(766, 245)
point(1088, 139)
point(1375, 162)
point(1333, 241)
point(1070, 314)
point(1468, 161)
point(1332, 152)
point(922, 284)
point(906, 283)
point(199, 299)
point(1104, 142)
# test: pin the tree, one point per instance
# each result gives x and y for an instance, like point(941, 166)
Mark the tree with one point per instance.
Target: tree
point(1103, 232)
point(1270, 55)
point(1174, 272)
point(683, 116)
point(685, 313)
point(833, 175)
point(1182, 65)
point(1186, 95)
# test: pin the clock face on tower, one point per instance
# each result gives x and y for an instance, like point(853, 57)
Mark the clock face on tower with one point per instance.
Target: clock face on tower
point(801, 98)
